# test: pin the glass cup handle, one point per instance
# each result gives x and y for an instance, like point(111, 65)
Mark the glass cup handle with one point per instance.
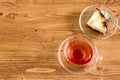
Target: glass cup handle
point(98, 60)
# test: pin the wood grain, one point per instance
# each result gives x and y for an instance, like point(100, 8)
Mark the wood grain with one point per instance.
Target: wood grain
point(31, 32)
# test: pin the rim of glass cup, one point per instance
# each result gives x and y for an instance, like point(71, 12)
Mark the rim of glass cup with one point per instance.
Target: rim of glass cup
point(95, 56)
point(88, 35)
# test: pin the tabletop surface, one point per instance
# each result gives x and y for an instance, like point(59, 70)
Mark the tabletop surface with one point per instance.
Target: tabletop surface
point(31, 32)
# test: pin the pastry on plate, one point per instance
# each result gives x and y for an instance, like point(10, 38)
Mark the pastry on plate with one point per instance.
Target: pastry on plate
point(98, 22)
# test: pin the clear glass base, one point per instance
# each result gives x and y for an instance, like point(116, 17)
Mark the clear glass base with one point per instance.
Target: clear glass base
point(94, 66)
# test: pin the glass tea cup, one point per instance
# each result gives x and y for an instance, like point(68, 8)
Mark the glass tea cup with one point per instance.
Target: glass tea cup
point(78, 55)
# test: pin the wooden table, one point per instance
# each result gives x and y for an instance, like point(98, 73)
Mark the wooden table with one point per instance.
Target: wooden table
point(31, 32)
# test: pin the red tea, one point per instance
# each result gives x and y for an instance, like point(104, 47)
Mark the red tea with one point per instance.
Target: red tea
point(78, 52)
